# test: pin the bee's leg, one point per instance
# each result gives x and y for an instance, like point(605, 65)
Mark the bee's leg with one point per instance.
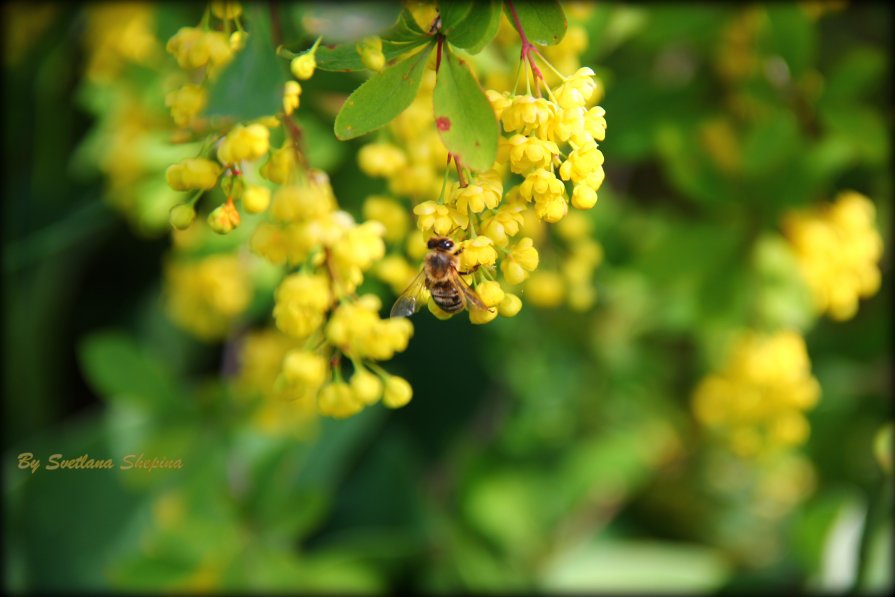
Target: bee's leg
point(472, 271)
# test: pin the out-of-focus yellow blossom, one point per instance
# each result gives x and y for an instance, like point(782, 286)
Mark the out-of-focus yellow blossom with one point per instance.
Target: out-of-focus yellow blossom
point(193, 174)
point(573, 227)
point(116, 34)
point(291, 97)
point(300, 202)
point(194, 48)
point(301, 301)
point(186, 103)
point(395, 271)
point(390, 214)
point(238, 40)
point(256, 199)
point(757, 400)
point(278, 411)
point(370, 51)
point(244, 143)
point(358, 331)
point(226, 9)
point(381, 159)
point(206, 296)
point(838, 249)
point(337, 400)
point(355, 252)
point(303, 373)
point(280, 167)
point(545, 289)
point(736, 57)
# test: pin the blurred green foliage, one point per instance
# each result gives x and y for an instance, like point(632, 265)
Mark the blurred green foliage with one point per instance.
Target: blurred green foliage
point(552, 451)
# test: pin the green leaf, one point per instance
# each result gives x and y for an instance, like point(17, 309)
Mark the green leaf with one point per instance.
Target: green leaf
point(478, 28)
point(406, 29)
point(792, 36)
point(344, 58)
point(251, 86)
point(453, 12)
point(119, 369)
point(771, 143)
point(379, 100)
point(463, 115)
point(543, 21)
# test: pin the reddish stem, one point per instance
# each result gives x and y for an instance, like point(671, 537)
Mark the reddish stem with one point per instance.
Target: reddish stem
point(295, 135)
point(438, 52)
point(527, 47)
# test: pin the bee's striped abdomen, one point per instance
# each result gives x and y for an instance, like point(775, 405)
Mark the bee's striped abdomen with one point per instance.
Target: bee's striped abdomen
point(446, 296)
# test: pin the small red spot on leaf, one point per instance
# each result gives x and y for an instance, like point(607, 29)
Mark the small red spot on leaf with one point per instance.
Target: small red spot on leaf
point(443, 123)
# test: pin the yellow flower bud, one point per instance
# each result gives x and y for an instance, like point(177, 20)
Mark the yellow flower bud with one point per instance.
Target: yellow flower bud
point(182, 216)
point(338, 401)
point(306, 368)
point(291, 96)
point(397, 392)
point(583, 197)
point(367, 387)
point(303, 66)
point(224, 218)
point(510, 305)
point(193, 174)
point(244, 143)
point(256, 199)
point(492, 295)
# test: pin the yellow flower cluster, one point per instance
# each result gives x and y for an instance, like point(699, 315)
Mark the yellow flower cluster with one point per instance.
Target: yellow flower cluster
point(317, 305)
point(551, 141)
point(117, 34)
point(261, 359)
point(206, 296)
point(757, 401)
point(838, 249)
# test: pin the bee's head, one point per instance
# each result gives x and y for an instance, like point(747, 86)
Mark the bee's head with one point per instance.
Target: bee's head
point(441, 243)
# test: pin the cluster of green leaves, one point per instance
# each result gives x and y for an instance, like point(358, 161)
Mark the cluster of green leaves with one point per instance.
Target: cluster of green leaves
point(467, 124)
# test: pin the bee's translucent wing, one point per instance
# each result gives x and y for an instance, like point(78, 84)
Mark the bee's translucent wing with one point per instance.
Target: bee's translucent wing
point(412, 299)
point(470, 298)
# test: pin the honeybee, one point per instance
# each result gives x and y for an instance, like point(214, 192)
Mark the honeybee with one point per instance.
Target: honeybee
point(441, 277)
